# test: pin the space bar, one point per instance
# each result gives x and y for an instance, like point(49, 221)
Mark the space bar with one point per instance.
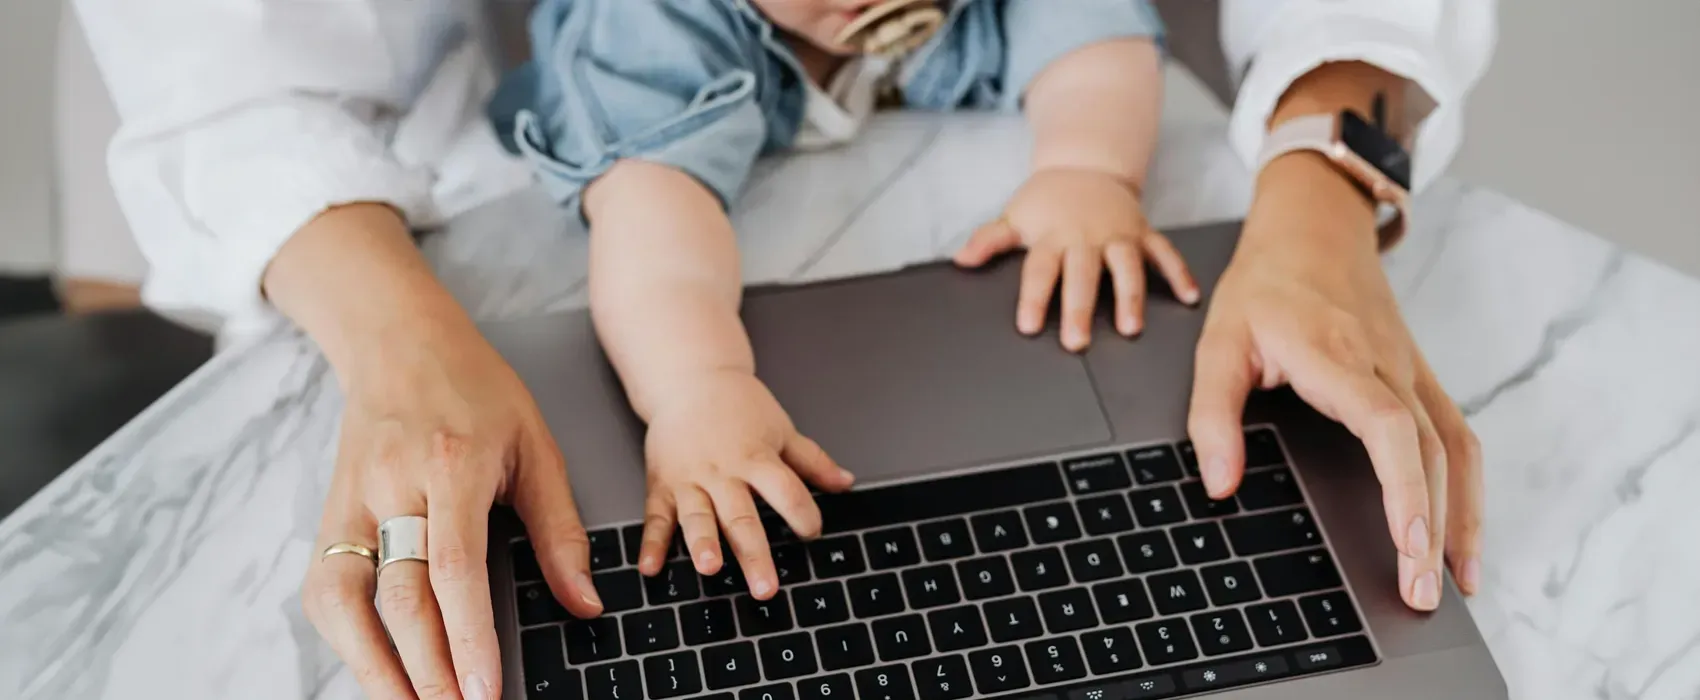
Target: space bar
point(938, 498)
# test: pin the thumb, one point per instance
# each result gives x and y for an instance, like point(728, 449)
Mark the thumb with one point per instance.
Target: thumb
point(988, 242)
point(1222, 378)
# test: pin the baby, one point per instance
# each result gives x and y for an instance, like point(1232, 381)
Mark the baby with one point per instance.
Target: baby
point(646, 116)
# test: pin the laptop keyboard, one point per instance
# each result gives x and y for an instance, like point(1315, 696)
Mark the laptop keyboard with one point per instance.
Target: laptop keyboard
point(1108, 576)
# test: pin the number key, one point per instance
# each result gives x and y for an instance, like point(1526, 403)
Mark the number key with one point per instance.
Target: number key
point(834, 687)
point(944, 678)
point(884, 683)
point(1221, 632)
point(1166, 641)
point(999, 670)
point(1110, 650)
point(1276, 623)
point(1055, 660)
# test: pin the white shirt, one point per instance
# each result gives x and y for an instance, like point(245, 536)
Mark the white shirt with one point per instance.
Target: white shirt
point(244, 119)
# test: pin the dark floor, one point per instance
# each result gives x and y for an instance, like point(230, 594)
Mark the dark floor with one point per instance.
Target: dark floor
point(20, 296)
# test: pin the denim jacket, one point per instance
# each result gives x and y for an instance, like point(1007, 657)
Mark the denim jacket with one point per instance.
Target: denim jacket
point(706, 86)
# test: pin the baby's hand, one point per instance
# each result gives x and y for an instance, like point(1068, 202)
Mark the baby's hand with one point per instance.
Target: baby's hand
point(718, 436)
point(1074, 223)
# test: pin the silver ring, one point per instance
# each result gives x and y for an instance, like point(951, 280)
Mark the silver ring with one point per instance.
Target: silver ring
point(401, 538)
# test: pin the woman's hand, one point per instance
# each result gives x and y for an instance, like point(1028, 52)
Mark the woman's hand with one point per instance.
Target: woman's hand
point(717, 436)
point(1074, 223)
point(436, 425)
point(1305, 302)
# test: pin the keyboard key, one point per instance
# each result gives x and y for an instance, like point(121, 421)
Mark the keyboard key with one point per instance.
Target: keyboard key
point(1038, 569)
point(1156, 507)
point(1104, 515)
point(1011, 619)
point(930, 587)
point(820, 604)
point(1093, 560)
point(771, 691)
point(1189, 458)
point(1176, 592)
point(787, 656)
point(538, 606)
point(791, 563)
point(1145, 552)
point(621, 680)
point(729, 580)
point(943, 678)
point(867, 509)
point(998, 532)
point(884, 683)
point(1318, 657)
point(1214, 675)
point(876, 595)
point(1330, 614)
point(1299, 572)
point(759, 617)
point(676, 583)
point(707, 622)
point(1122, 601)
point(649, 631)
point(837, 556)
point(1230, 583)
point(1221, 632)
point(1276, 623)
point(998, 670)
point(1052, 522)
point(891, 548)
point(1067, 610)
point(1269, 489)
point(946, 539)
point(834, 687)
point(1096, 473)
point(620, 590)
point(523, 560)
point(1055, 660)
point(672, 675)
point(774, 526)
point(1252, 535)
point(633, 537)
point(730, 665)
point(1154, 465)
point(958, 628)
point(596, 639)
point(901, 637)
point(605, 550)
point(1200, 543)
point(1166, 641)
point(1110, 650)
point(1202, 506)
point(983, 578)
point(546, 674)
point(1262, 449)
point(844, 646)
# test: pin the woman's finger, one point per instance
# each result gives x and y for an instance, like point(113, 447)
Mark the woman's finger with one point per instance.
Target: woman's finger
point(702, 532)
point(1169, 262)
point(1127, 274)
point(815, 465)
point(1222, 378)
point(1038, 282)
point(409, 609)
point(1419, 578)
point(1083, 269)
point(457, 524)
point(658, 527)
point(738, 519)
point(1463, 482)
point(786, 494)
point(988, 242)
point(544, 502)
point(337, 598)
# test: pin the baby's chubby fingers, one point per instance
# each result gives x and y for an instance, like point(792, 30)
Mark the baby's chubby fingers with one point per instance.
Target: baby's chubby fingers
point(988, 242)
point(736, 510)
point(658, 524)
point(1127, 272)
point(1038, 282)
point(1169, 262)
point(702, 532)
point(815, 465)
point(1083, 269)
point(786, 494)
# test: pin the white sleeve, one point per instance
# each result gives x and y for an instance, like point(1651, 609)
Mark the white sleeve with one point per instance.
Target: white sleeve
point(241, 120)
point(1443, 46)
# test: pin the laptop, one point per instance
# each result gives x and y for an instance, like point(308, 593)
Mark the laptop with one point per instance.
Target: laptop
point(1026, 523)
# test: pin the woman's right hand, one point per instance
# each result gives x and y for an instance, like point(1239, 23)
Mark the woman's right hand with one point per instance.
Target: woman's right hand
point(436, 425)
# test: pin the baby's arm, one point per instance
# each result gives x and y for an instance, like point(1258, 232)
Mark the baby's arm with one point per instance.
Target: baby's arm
point(1094, 113)
point(665, 289)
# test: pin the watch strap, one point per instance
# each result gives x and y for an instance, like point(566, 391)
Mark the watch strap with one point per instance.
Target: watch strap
point(1318, 132)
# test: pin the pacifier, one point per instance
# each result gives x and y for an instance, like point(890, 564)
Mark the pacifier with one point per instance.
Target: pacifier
point(894, 27)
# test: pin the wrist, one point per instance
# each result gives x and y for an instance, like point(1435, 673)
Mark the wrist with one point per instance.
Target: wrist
point(1305, 186)
point(691, 386)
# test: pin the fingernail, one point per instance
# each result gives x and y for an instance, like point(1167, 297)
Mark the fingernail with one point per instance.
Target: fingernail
point(1473, 575)
point(1216, 475)
point(1425, 593)
point(587, 589)
point(473, 688)
point(1190, 296)
point(1416, 538)
point(845, 476)
point(706, 558)
point(761, 587)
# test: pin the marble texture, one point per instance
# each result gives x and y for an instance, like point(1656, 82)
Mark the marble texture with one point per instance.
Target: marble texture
point(166, 563)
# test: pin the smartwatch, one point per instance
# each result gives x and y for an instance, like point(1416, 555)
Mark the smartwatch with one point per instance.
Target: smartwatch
point(1366, 153)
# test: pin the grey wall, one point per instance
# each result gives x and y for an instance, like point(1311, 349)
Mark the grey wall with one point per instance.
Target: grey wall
point(27, 32)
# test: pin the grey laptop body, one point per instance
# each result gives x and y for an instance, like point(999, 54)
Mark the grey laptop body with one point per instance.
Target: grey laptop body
point(1026, 523)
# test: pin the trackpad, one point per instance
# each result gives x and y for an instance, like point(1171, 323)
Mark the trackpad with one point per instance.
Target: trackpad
point(920, 370)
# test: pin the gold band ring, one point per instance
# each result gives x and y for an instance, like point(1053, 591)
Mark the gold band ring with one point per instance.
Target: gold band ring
point(350, 548)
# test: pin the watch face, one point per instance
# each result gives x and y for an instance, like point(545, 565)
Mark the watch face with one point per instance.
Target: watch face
point(1376, 147)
